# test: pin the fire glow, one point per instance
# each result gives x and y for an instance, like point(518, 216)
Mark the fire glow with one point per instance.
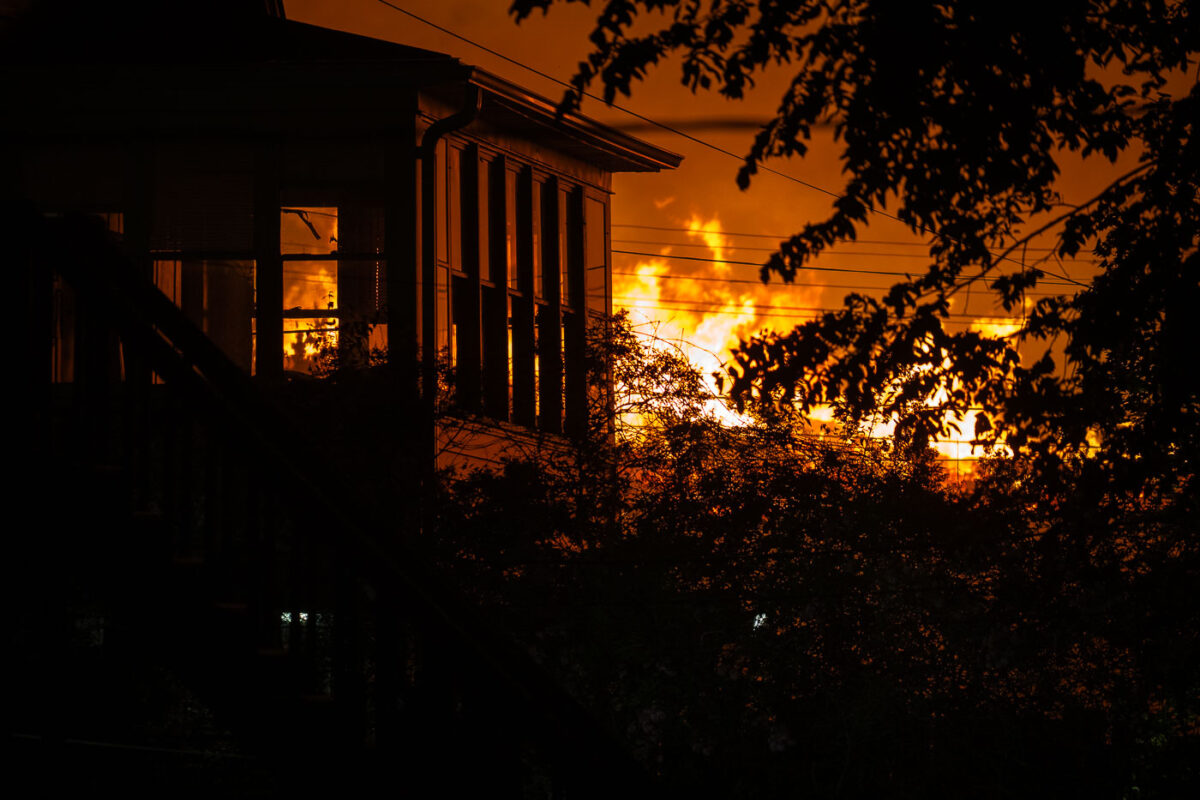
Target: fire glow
point(695, 308)
point(699, 311)
point(309, 287)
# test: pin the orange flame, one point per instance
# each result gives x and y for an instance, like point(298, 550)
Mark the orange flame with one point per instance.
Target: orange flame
point(689, 305)
point(308, 285)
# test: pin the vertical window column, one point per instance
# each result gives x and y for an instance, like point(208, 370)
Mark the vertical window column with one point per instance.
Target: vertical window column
point(494, 288)
point(549, 328)
point(599, 296)
point(573, 317)
point(466, 290)
point(599, 293)
point(522, 320)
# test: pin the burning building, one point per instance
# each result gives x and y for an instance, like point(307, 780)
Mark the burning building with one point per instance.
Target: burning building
point(206, 211)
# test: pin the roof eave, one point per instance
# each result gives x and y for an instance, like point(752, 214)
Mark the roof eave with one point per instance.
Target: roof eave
point(637, 155)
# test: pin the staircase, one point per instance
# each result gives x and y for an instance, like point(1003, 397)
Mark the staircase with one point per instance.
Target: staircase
point(203, 609)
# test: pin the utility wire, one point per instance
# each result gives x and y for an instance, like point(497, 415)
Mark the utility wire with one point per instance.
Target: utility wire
point(670, 130)
point(653, 122)
point(661, 243)
point(798, 285)
point(853, 270)
point(638, 305)
point(781, 237)
point(992, 318)
point(781, 286)
point(756, 264)
point(630, 112)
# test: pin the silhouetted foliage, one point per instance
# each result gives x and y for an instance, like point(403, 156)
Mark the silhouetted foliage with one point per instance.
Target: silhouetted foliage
point(761, 610)
point(958, 114)
point(1034, 633)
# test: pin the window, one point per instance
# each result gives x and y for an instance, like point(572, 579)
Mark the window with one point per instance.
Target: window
point(308, 242)
point(64, 317)
point(202, 243)
point(526, 250)
point(596, 256)
point(513, 262)
point(333, 286)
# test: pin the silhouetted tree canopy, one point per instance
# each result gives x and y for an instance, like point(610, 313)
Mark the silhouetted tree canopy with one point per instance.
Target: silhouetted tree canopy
point(954, 117)
point(762, 611)
point(1036, 631)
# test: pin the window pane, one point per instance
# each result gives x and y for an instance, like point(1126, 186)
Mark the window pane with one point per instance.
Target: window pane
point(573, 253)
point(535, 226)
point(564, 246)
point(522, 359)
point(484, 182)
point(166, 278)
point(510, 228)
point(309, 344)
point(228, 306)
point(465, 344)
point(595, 256)
point(359, 309)
point(439, 179)
point(550, 237)
point(508, 361)
point(549, 370)
point(442, 311)
point(496, 374)
point(310, 285)
point(216, 295)
point(454, 182)
point(308, 230)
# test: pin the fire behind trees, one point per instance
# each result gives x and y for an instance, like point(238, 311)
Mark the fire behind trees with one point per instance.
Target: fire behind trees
point(844, 622)
point(765, 610)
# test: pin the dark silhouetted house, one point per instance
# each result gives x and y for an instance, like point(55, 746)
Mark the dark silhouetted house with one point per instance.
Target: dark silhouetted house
point(206, 204)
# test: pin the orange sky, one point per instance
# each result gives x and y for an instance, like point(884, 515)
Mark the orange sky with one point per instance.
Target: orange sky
point(700, 196)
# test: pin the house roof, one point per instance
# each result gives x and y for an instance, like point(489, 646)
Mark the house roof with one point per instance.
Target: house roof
point(154, 50)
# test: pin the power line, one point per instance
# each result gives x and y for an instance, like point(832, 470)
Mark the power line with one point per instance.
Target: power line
point(823, 254)
point(756, 264)
point(640, 306)
point(622, 109)
point(780, 236)
point(798, 285)
point(751, 235)
point(852, 270)
point(656, 123)
point(992, 318)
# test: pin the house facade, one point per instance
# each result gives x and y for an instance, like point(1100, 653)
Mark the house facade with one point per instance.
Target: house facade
point(274, 179)
point(207, 210)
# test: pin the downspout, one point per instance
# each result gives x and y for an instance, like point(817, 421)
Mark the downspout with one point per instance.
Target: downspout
point(427, 153)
